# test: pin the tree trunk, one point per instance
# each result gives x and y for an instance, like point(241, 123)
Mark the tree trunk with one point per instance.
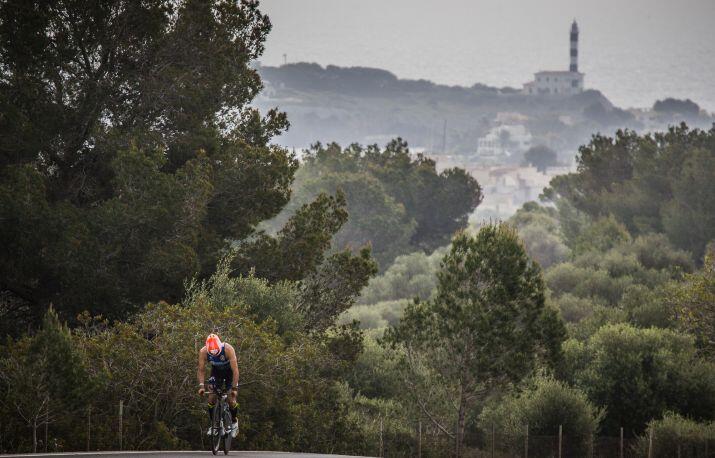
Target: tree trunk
point(459, 437)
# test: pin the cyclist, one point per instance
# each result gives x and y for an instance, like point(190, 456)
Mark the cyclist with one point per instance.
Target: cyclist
point(224, 369)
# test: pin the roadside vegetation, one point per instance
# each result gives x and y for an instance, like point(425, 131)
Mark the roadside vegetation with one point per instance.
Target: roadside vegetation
point(143, 204)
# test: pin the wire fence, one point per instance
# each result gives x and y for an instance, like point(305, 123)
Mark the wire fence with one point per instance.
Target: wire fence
point(494, 444)
point(110, 431)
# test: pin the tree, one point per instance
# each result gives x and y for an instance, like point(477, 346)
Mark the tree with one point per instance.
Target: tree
point(129, 154)
point(639, 374)
point(541, 157)
point(656, 183)
point(487, 324)
point(675, 106)
point(46, 379)
point(396, 201)
point(545, 404)
point(334, 287)
point(674, 434)
point(693, 303)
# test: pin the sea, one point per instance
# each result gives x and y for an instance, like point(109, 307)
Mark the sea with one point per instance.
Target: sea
point(634, 51)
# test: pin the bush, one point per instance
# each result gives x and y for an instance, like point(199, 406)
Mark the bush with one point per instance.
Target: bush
point(574, 309)
point(674, 435)
point(376, 316)
point(544, 404)
point(410, 276)
point(639, 374)
point(545, 247)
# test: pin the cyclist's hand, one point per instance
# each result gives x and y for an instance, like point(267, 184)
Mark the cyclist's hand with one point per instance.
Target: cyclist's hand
point(201, 391)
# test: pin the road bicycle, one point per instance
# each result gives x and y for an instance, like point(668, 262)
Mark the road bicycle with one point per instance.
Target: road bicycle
point(221, 422)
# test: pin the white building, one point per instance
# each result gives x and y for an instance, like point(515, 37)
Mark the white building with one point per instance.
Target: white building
point(502, 141)
point(507, 188)
point(560, 82)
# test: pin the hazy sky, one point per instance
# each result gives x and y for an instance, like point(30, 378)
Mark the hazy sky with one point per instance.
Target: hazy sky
point(635, 51)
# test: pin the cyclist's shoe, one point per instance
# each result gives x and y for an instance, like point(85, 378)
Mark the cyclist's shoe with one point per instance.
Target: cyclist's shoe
point(234, 429)
point(210, 432)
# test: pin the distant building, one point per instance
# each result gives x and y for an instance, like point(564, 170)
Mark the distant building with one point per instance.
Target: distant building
point(503, 141)
point(507, 188)
point(559, 82)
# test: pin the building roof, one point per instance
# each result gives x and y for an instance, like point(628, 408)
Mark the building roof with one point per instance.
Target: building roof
point(557, 72)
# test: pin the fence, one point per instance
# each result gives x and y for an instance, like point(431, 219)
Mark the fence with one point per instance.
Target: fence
point(430, 442)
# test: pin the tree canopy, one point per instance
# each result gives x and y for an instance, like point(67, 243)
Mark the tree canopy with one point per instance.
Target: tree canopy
point(130, 158)
point(397, 201)
point(662, 182)
point(487, 324)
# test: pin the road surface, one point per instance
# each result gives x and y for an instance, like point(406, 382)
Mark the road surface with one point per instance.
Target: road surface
point(183, 454)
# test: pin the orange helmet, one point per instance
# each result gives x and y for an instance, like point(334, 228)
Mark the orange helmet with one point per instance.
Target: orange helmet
point(213, 344)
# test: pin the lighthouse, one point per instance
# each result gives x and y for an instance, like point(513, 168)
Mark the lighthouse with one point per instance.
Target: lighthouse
point(559, 82)
point(573, 67)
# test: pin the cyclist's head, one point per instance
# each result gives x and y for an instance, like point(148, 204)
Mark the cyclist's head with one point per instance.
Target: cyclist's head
point(213, 344)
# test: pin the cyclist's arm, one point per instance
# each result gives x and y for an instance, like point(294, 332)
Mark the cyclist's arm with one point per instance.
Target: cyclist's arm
point(202, 365)
point(231, 353)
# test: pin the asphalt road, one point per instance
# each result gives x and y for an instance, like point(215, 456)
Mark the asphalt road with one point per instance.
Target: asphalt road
point(185, 454)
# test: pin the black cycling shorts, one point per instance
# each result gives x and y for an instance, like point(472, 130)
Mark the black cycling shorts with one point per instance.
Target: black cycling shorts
point(223, 376)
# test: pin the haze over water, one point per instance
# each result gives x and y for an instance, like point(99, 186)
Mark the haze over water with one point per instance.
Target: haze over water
point(634, 51)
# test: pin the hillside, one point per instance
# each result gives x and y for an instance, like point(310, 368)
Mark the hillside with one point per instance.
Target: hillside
point(369, 105)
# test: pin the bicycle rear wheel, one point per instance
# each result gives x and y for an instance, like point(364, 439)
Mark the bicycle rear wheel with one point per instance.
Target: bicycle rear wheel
point(227, 438)
point(216, 428)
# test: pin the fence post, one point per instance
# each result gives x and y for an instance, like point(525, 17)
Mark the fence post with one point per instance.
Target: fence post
point(650, 442)
point(560, 439)
point(89, 425)
point(380, 436)
point(621, 448)
point(121, 413)
point(526, 442)
point(494, 437)
point(419, 438)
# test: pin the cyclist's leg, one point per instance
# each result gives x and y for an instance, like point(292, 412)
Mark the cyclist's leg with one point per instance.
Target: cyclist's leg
point(232, 404)
point(212, 397)
point(210, 405)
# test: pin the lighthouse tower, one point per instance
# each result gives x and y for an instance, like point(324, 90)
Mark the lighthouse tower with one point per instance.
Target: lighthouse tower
point(559, 82)
point(573, 67)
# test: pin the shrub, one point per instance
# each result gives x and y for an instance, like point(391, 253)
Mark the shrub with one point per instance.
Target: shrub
point(544, 404)
point(674, 435)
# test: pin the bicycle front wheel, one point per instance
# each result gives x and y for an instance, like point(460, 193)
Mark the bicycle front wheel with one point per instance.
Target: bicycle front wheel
point(216, 428)
point(227, 438)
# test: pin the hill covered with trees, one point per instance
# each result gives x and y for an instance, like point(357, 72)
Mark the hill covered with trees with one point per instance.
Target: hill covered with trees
point(368, 105)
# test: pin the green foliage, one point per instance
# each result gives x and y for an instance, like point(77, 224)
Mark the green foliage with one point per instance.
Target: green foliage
point(541, 157)
point(334, 287)
point(544, 404)
point(45, 379)
point(676, 106)
point(618, 273)
point(377, 316)
point(639, 374)
point(411, 276)
point(397, 202)
point(601, 235)
point(693, 301)
point(540, 229)
point(660, 183)
point(299, 247)
point(488, 315)
point(675, 435)
point(129, 153)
